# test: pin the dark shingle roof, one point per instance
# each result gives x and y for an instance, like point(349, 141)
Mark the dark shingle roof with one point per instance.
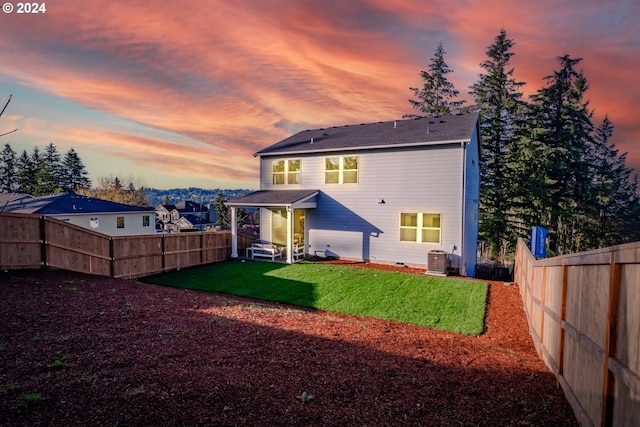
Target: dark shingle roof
point(70, 203)
point(190, 206)
point(272, 198)
point(420, 131)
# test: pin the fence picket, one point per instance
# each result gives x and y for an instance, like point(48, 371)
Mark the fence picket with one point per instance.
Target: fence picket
point(594, 350)
point(32, 241)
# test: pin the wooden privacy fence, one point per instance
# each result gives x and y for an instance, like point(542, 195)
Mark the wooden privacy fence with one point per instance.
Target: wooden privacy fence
point(584, 316)
point(32, 241)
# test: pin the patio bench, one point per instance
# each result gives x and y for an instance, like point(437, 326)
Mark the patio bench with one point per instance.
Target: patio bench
point(298, 251)
point(264, 250)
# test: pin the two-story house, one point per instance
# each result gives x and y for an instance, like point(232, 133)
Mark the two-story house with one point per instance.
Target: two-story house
point(387, 192)
point(185, 215)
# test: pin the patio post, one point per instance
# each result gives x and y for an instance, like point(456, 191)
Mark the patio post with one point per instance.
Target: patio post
point(289, 234)
point(234, 233)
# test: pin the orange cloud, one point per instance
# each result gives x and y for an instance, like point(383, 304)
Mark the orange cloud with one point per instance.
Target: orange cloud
point(207, 83)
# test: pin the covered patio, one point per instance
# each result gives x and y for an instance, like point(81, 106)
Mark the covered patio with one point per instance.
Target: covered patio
point(282, 221)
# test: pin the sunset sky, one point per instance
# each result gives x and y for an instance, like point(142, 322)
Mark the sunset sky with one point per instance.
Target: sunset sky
point(182, 93)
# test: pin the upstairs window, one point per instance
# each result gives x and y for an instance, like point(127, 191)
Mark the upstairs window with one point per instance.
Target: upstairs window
point(286, 172)
point(332, 170)
point(120, 222)
point(420, 228)
point(341, 170)
point(145, 220)
point(293, 171)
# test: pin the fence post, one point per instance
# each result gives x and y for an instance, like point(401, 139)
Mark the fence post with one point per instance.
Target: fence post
point(43, 243)
point(163, 264)
point(112, 267)
point(611, 340)
point(563, 316)
point(543, 302)
point(201, 247)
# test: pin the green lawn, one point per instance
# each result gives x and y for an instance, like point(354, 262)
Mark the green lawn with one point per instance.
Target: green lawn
point(444, 303)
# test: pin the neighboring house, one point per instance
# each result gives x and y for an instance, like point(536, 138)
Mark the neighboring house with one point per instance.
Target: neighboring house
point(6, 198)
point(167, 213)
point(389, 192)
point(114, 219)
point(185, 215)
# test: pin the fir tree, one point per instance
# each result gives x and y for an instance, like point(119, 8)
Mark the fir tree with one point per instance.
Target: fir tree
point(37, 163)
point(75, 176)
point(437, 95)
point(242, 217)
point(26, 174)
point(614, 199)
point(49, 174)
point(223, 213)
point(561, 120)
point(8, 169)
point(502, 111)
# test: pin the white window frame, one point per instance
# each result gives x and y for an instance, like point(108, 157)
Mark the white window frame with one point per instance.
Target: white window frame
point(341, 170)
point(286, 173)
point(420, 227)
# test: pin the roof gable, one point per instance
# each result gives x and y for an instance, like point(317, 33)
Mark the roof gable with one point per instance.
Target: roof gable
point(398, 133)
point(166, 208)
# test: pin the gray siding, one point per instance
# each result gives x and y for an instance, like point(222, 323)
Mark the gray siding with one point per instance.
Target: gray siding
point(471, 206)
point(350, 222)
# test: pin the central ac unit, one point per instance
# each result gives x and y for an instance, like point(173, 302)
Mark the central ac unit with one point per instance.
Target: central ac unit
point(437, 263)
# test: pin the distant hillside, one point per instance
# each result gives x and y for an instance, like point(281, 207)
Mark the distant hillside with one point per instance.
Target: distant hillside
point(199, 195)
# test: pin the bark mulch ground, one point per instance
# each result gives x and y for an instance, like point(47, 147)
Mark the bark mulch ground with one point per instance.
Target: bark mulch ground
point(82, 350)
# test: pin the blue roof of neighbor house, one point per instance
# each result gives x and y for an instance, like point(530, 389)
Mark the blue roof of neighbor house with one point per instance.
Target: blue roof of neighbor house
point(69, 203)
point(398, 133)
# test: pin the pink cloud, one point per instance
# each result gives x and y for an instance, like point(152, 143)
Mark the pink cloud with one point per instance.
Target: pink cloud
point(232, 78)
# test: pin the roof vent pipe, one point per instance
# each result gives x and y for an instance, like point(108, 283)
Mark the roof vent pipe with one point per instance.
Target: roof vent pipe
point(395, 124)
point(312, 140)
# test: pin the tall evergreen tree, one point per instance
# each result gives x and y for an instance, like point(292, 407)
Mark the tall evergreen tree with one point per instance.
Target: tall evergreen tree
point(49, 174)
point(36, 164)
point(74, 174)
point(222, 211)
point(614, 198)
point(561, 121)
point(241, 215)
point(8, 170)
point(498, 98)
point(26, 174)
point(437, 97)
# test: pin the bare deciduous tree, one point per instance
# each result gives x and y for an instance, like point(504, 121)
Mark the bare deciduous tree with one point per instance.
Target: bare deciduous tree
point(2, 112)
